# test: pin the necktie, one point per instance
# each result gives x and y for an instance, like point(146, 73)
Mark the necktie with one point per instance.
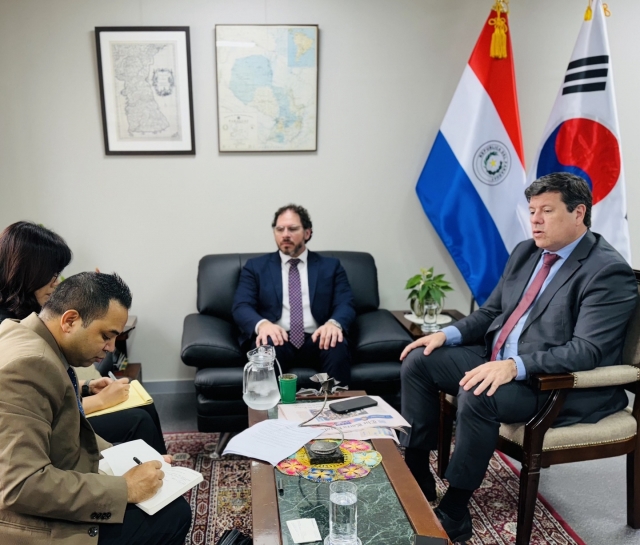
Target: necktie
point(296, 326)
point(526, 301)
point(74, 381)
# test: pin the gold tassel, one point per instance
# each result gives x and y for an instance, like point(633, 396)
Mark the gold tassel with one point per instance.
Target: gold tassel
point(588, 15)
point(499, 37)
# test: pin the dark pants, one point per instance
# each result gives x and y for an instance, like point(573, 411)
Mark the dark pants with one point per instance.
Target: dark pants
point(478, 417)
point(169, 526)
point(137, 423)
point(336, 361)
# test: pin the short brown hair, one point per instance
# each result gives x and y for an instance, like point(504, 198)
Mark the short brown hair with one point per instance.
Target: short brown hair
point(305, 219)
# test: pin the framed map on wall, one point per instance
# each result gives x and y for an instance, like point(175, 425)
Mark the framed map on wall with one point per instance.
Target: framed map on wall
point(267, 83)
point(145, 90)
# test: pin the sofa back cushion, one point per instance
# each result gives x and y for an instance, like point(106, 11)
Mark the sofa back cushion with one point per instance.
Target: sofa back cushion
point(218, 276)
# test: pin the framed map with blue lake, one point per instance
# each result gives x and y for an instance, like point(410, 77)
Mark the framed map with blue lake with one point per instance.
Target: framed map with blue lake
point(145, 90)
point(267, 83)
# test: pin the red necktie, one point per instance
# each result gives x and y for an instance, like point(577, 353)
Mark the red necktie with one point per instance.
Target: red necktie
point(526, 301)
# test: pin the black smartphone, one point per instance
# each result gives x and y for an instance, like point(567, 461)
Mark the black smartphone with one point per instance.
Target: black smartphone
point(426, 540)
point(354, 404)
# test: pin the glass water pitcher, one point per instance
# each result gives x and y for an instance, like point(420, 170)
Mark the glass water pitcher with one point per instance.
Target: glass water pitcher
point(259, 385)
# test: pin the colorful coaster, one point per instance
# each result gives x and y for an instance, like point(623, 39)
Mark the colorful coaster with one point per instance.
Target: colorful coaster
point(359, 460)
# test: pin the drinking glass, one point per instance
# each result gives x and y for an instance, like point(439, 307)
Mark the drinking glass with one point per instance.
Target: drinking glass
point(343, 514)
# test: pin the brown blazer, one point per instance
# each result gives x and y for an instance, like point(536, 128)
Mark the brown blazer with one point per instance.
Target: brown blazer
point(50, 490)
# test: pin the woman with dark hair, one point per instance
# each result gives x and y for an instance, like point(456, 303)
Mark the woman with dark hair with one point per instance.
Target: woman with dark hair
point(31, 260)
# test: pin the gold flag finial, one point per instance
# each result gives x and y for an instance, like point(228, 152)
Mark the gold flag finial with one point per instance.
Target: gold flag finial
point(589, 13)
point(499, 38)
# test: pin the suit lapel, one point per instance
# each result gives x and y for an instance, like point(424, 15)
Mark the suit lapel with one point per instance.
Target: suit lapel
point(573, 263)
point(275, 268)
point(312, 275)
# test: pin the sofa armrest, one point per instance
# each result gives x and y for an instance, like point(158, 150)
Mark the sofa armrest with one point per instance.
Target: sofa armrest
point(208, 341)
point(613, 375)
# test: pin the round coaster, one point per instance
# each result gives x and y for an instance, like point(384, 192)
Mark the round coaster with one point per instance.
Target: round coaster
point(353, 471)
point(370, 459)
point(319, 475)
point(355, 445)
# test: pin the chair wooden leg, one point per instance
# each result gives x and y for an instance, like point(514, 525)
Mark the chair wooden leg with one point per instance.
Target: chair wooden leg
point(445, 433)
point(633, 488)
point(529, 480)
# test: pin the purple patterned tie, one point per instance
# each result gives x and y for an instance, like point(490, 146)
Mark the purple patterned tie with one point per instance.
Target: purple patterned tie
point(296, 326)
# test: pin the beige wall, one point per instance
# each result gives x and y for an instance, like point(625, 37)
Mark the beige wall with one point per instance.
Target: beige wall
point(387, 72)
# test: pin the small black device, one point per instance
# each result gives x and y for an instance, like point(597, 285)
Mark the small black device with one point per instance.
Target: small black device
point(348, 405)
point(427, 540)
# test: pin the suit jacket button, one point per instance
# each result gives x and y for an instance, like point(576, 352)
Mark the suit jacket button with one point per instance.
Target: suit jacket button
point(93, 531)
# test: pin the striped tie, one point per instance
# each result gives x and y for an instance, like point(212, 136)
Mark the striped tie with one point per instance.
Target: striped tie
point(296, 326)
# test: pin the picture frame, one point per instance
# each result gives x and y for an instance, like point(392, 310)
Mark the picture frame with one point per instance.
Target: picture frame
point(267, 87)
point(145, 90)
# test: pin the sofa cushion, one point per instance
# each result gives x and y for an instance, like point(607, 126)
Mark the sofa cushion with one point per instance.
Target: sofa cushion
point(208, 341)
point(377, 336)
point(218, 276)
point(363, 278)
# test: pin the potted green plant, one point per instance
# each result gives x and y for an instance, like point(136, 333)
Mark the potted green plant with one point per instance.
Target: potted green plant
point(427, 296)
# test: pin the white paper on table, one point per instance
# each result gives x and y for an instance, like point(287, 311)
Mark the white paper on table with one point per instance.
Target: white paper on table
point(382, 415)
point(365, 434)
point(304, 530)
point(120, 457)
point(271, 440)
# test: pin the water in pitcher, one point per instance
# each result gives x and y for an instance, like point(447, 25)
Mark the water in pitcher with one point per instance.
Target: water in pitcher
point(262, 396)
point(343, 527)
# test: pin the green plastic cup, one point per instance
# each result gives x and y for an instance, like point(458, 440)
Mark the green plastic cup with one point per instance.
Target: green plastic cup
point(288, 387)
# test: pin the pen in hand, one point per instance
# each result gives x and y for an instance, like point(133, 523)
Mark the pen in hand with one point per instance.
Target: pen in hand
point(112, 376)
point(136, 460)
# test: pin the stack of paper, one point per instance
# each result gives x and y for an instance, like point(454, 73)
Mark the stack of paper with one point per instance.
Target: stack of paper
point(379, 422)
point(177, 480)
point(271, 440)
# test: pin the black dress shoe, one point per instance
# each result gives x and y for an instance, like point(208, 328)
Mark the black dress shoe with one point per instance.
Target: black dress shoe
point(457, 530)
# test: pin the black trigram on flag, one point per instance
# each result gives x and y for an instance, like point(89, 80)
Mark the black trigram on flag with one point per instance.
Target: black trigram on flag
point(580, 73)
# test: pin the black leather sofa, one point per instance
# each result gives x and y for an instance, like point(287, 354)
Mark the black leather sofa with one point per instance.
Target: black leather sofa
point(209, 340)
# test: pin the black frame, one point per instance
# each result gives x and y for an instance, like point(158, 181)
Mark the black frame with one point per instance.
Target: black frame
point(108, 149)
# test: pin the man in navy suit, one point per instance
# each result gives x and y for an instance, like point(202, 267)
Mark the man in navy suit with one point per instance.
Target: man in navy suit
point(561, 306)
point(297, 300)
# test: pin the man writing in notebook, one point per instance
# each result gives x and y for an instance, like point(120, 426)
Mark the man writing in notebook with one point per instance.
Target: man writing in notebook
point(562, 305)
point(297, 300)
point(51, 490)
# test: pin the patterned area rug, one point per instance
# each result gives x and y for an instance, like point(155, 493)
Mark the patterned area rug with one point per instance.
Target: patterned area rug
point(223, 500)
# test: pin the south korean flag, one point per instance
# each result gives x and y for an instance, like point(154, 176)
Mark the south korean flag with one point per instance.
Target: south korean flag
point(582, 135)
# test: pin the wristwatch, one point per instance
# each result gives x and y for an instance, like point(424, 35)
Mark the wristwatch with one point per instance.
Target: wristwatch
point(335, 323)
point(86, 391)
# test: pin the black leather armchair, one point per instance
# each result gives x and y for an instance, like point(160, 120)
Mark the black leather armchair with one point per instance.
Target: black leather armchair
point(210, 340)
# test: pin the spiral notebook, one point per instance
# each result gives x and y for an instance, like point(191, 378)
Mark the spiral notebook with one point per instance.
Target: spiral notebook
point(177, 480)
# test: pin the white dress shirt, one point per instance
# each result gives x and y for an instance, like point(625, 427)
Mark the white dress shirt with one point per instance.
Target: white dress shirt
point(310, 325)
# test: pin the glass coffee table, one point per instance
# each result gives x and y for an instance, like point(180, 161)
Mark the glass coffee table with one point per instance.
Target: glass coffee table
point(391, 507)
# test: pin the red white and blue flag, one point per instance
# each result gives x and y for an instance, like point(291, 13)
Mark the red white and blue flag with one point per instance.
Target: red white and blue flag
point(472, 185)
point(582, 135)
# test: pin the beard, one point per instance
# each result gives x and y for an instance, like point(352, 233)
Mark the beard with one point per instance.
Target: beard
point(294, 250)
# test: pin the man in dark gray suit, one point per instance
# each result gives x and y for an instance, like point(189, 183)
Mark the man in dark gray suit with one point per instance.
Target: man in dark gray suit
point(562, 305)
